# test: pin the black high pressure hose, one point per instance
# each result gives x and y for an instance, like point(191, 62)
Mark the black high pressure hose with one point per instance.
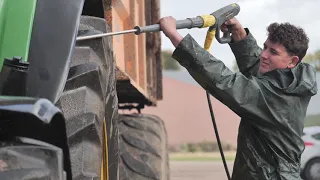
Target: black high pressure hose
point(217, 135)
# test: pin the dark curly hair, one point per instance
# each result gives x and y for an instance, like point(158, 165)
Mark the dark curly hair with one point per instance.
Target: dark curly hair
point(293, 38)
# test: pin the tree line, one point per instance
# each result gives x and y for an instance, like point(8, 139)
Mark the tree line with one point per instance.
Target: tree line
point(313, 58)
point(168, 63)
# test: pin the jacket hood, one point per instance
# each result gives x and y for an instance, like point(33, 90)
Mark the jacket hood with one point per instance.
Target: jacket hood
point(300, 80)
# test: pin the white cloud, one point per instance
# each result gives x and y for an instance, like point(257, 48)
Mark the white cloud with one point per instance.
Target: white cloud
point(254, 14)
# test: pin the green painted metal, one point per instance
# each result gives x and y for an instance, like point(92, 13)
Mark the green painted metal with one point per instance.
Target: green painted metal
point(16, 22)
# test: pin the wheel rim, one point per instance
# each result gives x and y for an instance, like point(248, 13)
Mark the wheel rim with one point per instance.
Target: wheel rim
point(315, 170)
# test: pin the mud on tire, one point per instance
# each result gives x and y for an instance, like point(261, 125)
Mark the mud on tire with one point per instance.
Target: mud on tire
point(143, 148)
point(88, 99)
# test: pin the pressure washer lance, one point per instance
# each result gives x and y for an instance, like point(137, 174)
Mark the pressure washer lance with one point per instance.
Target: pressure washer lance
point(213, 21)
point(199, 22)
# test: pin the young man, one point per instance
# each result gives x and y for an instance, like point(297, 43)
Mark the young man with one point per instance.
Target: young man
point(271, 94)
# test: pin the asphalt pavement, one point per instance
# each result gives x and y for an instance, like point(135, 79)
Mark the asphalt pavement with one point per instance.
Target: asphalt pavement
point(193, 170)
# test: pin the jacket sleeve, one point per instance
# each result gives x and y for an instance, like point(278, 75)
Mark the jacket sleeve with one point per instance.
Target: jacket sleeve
point(243, 95)
point(247, 53)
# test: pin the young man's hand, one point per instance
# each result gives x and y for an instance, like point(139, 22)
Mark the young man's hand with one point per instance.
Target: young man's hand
point(237, 31)
point(168, 27)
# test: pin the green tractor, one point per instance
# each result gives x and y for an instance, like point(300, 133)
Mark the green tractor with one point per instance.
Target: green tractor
point(60, 98)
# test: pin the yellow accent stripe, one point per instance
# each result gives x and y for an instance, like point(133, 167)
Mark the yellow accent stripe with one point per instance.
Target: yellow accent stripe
point(102, 170)
point(104, 173)
point(208, 20)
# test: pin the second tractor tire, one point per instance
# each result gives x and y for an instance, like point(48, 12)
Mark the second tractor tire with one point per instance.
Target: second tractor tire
point(143, 148)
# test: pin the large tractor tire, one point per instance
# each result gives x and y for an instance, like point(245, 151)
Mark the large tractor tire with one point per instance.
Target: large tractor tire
point(143, 148)
point(90, 105)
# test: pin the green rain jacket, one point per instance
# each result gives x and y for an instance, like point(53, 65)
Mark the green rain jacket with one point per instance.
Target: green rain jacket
point(272, 106)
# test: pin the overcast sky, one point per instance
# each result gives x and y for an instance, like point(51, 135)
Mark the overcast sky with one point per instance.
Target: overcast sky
point(254, 14)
